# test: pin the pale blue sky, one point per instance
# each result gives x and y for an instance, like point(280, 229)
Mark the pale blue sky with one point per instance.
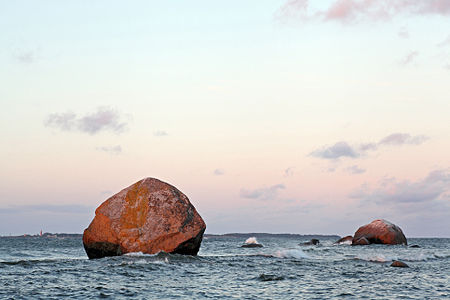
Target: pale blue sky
point(238, 86)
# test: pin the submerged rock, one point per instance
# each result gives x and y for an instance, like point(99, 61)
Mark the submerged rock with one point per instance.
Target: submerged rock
point(380, 232)
point(311, 242)
point(270, 277)
point(149, 216)
point(345, 240)
point(252, 246)
point(399, 264)
point(251, 242)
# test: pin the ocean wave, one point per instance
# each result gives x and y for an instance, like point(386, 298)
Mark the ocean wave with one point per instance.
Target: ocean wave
point(27, 262)
point(140, 254)
point(157, 258)
point(290, 253)
point(374, 258)
point(404, 257)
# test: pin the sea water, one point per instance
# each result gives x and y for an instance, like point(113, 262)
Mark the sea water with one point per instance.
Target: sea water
point(56, 268)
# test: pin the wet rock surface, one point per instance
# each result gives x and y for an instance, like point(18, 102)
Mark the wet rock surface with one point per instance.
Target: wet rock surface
point(399, 264)
point(380, 232)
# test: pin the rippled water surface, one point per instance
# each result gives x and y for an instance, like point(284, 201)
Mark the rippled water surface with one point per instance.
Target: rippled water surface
point(53, 268)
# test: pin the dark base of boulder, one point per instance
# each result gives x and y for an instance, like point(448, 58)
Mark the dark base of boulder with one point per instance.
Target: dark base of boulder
point(252, 246)
point(414, 246)
point(102, 249)
point(361, 242)
point(399, 264)
point(191, 246)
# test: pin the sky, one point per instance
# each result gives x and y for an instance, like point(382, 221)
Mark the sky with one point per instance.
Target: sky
point(310, 117)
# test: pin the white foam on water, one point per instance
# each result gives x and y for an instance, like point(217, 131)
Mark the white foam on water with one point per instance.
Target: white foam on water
point(251, 240)
point(403, 257)
point(138, 254)
point(419, 257)
point(290, 253)
point(345, 243)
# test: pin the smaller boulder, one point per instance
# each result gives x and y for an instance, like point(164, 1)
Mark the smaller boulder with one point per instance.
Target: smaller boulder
point(251, 243)
point(399, 264)
point(345, 240)
point(381, 232)
point(311, 242)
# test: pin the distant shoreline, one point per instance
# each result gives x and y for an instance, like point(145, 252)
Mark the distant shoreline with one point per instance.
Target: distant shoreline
point(210, 235)
point(268, 235)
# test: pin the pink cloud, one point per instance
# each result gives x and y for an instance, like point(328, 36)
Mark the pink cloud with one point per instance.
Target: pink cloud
point(346, 11)
point(342, 9)
point(349, 10)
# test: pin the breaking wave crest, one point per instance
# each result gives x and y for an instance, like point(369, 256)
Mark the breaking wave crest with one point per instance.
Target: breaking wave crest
point(290, 253)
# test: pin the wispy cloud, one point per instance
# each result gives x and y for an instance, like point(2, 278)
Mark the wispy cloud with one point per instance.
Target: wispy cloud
point(345, 150)
point(434, 188)
point(294, 8)
point(289, 172)
point(338, 150)
point(104, 119)
point(355, 170)
point(25, 57)
point(111, 149)
point(160, 133)
point(219, 172)
point(409, 58)
point(398, 139)
point(351, 11)
point(264, 193)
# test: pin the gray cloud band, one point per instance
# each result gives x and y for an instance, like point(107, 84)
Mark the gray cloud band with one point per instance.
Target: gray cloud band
point(104, 119)
point(343, 149)
point(433, 189)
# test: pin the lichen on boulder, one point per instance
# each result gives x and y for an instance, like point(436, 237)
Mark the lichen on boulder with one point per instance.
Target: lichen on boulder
point(149, 216)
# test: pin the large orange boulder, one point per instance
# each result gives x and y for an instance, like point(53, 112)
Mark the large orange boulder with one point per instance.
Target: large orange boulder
point(148, 216)
point(379, 232)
